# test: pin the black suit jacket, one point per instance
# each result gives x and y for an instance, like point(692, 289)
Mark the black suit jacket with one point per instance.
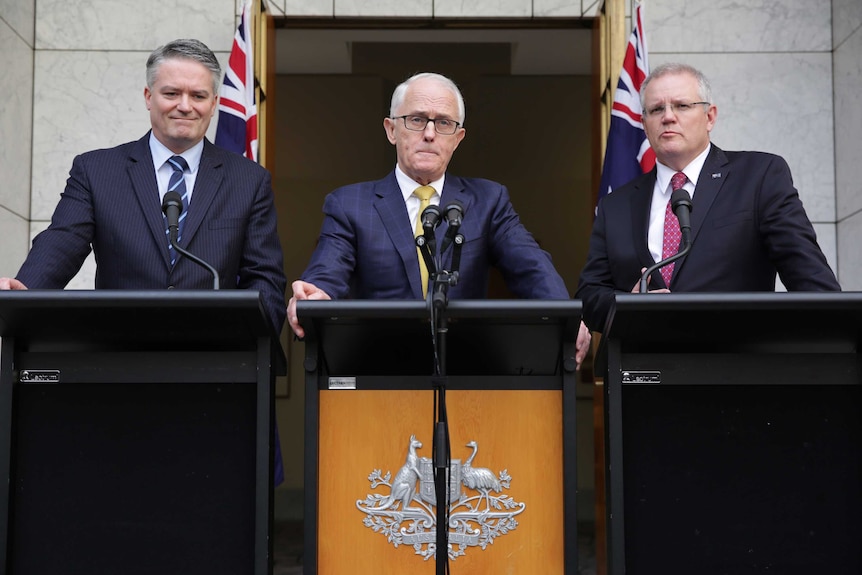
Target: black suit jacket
point(747, 223)
point(111, 205)
point(366, 248)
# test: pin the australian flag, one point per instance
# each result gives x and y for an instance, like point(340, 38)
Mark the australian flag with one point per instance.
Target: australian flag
point(237, 119)
point(628, 153)
point(237, 132)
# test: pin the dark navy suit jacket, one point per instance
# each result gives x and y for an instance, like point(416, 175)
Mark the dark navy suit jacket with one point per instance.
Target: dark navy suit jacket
point(366, 248)
point(111, 202)
point(747, 223)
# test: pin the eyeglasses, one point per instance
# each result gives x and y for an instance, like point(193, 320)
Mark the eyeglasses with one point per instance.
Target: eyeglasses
point(419, 123)
point(678, 109)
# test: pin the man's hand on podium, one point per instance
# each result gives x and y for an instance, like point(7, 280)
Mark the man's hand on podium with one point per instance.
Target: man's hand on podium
point(302, 290)
point(637, 286)
point(582, 345)
point(11, 283)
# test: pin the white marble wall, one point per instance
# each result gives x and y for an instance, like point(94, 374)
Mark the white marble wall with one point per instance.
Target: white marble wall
point(128, 25)
point(16, 115)
point(19, 16)
point(436, 8)
point(770, 66)
point(566, 8)
point(324, 8)
point(847, 72)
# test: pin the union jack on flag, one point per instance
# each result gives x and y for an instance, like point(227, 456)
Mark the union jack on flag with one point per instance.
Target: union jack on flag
point(628, 153)
point(237, 119)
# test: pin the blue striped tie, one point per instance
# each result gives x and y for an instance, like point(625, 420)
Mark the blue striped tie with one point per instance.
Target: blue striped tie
point(178, 184)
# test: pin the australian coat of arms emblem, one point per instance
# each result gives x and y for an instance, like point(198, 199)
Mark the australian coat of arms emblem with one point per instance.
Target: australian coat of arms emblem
point(479, 509)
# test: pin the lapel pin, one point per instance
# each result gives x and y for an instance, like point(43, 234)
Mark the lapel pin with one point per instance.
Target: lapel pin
point(716, 175)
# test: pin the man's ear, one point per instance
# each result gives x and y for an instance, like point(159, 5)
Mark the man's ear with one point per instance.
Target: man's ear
point(389, 128)
point(712, 116)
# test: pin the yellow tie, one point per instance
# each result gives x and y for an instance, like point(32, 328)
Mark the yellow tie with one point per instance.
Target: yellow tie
point(424, 194)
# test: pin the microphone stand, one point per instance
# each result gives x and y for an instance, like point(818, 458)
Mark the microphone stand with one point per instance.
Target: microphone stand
point(662, 263)
point(172, 207)
point(195, 259)
point(438, 302)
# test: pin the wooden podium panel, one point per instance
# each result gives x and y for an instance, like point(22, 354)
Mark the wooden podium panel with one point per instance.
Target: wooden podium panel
point(519, 431)
point(510, 389)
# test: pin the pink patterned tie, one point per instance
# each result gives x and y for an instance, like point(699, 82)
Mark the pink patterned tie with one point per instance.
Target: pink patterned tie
point(670, 245)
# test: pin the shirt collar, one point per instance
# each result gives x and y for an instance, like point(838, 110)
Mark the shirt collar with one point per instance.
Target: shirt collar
point(161, 154)
point(408, 184)
point(691, 171)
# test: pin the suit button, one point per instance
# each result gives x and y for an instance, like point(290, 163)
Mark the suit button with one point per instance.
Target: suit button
point(170, 287)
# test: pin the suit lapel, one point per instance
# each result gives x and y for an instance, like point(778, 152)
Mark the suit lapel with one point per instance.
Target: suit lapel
point(709, 183)
point(390, 206)
point(641, 200)
point(146, 189)
point(207, 184)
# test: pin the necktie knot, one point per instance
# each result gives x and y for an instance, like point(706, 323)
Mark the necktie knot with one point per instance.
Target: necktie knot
point(178, 163)
point(678, 181)
point(424, 193)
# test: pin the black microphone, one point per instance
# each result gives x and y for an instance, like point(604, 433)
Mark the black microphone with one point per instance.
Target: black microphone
point(430, 218)
point(680, 202)
point(172, 206)
point(454, 214)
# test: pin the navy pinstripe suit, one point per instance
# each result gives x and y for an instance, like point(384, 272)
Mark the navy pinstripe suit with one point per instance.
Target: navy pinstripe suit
point(111, 202)
point(366, 248)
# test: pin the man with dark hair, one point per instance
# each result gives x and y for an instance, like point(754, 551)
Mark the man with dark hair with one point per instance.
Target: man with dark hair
point(113, 198)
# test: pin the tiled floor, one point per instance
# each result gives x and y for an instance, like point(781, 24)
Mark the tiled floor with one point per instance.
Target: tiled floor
point(288, 538)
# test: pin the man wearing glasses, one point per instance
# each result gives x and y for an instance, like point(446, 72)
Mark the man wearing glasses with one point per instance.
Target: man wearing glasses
point(747, 222)
point(366, 248)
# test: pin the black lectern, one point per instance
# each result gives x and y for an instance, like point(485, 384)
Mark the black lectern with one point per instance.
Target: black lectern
point(135, 432)
point(734, 434)
point(511, 389)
